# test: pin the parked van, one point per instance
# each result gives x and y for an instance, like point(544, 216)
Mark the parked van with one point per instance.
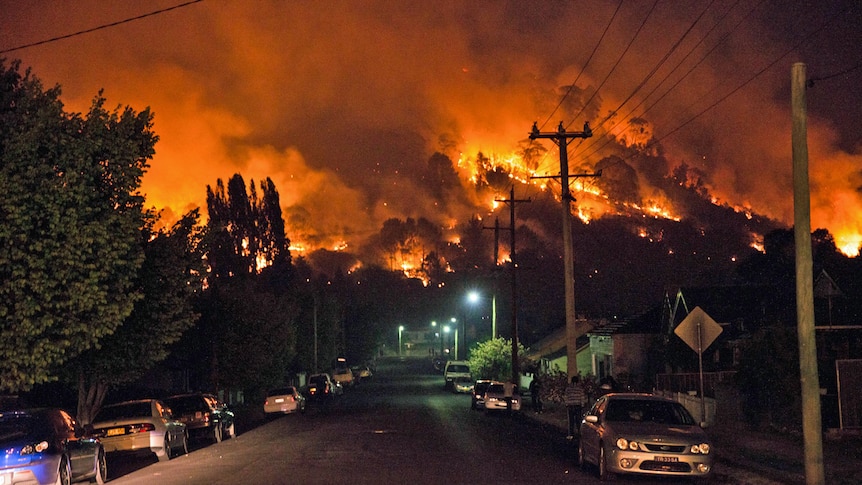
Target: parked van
point(455, 369)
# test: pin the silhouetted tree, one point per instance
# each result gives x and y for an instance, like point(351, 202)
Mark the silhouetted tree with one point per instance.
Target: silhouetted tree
point(70, 220)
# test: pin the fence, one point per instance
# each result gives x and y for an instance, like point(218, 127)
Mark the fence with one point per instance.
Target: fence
point(849, 393)
point(691, 382)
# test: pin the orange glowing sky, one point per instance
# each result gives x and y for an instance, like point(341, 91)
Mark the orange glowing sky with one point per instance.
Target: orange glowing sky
point(338, 102)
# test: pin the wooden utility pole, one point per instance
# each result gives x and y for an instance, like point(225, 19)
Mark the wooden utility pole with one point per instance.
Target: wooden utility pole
point(562, 138)
point(811, 422)
point(516, 368)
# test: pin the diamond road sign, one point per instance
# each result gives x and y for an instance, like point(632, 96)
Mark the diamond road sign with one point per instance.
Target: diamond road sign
point(698, 330)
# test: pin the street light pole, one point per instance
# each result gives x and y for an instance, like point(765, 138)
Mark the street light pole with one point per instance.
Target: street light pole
point(455, 326)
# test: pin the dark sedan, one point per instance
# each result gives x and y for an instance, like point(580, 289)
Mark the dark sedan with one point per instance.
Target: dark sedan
point(204, 415)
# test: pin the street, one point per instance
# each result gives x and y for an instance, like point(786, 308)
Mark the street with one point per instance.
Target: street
point(400, 428)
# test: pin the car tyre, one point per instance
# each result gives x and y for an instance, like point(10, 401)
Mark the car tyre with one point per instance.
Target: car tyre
point(185, 443)
point(64, 475)
point(582, 459)
point(101, 468)
point(604, 474)
point(166, 452)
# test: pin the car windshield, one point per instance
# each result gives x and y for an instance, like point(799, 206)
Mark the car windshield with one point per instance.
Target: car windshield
point(481, 386)
point(186, 404)
point(459, 368)
point(318, 380)
point(125, 410)
point(496, 389)
point(647, 410)
point(15, 425)
point(281, 392)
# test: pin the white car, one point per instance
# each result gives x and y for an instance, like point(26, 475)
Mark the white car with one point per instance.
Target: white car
point(145, 424)
point(453, 370)
point(343, 376)
point(285, 400)
point(496, 400)
point(644, 434)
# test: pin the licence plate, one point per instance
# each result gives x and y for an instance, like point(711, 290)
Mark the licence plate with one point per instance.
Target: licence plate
point(667, 459)
point(115, 432)
point(279, 400)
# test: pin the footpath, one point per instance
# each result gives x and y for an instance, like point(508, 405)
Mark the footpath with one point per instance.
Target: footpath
point(749, 457)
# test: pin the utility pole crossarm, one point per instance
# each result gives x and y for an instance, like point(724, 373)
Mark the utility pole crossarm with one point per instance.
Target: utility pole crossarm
point(561, 134)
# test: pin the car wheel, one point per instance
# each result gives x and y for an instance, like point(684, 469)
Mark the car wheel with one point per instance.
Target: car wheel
point(604, 474)
point(185, 443)
point(216, 433)
point(582, 459)
point(101, 468)
point(64, 475)
point(166, 452)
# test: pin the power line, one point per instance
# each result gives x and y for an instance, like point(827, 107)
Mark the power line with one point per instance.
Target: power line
point(584, 68)
point(678, 81)
point(811, 81)
point(653, 72)
point(112, 24)
point(756, 75)
point(619, 59)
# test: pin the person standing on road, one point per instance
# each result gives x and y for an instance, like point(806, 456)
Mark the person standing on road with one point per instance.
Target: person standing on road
point(575, 399)
point(508, 394)
point(535, 394)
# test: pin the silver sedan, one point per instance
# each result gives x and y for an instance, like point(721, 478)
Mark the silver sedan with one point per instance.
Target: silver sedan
point(643, 434)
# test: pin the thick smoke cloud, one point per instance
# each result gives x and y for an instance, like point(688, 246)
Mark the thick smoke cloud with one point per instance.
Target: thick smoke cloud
point(342, 104)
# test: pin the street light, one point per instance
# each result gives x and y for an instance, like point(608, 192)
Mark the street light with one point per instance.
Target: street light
point(438, 334)
point(473, 297)
point(400, 331)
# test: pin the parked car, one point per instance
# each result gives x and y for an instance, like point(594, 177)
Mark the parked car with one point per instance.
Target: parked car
point(477, 401)
point(321, 386)
point(343, 375)
point(361, 373)
point(462, 385)
point(145, 424)
point(455, 369)
point(204, 416)
point(495, 398)
point(284, 400)
point(643, 434)
point(47, 446)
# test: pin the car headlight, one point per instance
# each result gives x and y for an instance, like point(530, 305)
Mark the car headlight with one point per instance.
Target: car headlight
point(625, 444)
point(701, 449)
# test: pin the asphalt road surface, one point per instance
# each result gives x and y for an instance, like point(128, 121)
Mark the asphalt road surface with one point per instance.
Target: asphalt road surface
point(402, 427)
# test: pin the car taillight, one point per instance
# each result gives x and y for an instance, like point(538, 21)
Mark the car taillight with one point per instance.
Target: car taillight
point(141, 428)
point(293, 399)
